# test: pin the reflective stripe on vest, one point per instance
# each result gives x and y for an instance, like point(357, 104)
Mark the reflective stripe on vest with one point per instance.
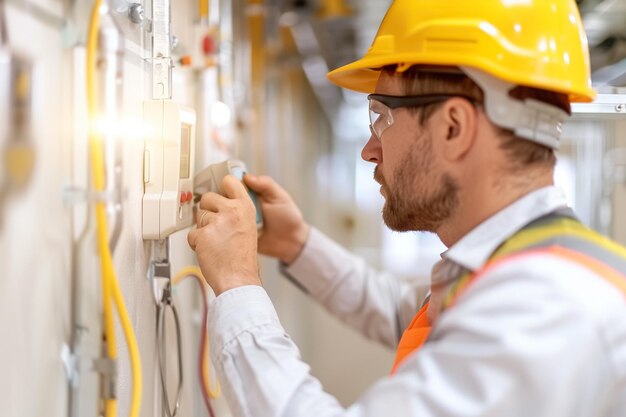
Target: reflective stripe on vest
point(559, 236)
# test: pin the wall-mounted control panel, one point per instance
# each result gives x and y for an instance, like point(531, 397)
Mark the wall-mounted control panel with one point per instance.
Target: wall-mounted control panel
point(169, 156)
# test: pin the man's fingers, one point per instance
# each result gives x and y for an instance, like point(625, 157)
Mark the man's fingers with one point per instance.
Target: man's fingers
point(265, 187)
point(204, 217)
point(211, 202)
point(192, 238)
point(233, 188)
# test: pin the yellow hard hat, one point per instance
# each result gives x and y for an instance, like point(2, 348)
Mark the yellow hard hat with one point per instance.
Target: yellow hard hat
point(533, 43)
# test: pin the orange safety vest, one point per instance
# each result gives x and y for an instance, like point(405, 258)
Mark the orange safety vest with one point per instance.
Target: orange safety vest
point(554, 234)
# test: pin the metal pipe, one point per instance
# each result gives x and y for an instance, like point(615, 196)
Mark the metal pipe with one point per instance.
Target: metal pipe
point(84, 344)
point(112, 72)
point(161, 50)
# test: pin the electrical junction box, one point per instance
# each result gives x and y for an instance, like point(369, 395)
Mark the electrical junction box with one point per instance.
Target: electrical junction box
point(169, 156)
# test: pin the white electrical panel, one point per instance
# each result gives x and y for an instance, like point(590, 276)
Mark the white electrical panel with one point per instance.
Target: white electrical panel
point(169, 157)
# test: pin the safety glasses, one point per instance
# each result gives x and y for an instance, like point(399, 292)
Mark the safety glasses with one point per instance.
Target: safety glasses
point(381, 106)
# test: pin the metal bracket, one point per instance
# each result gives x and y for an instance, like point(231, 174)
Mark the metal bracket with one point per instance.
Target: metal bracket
point(604, 107)
point(70, 364)
point(160, 271)
point(107, 368)
point(161, 50)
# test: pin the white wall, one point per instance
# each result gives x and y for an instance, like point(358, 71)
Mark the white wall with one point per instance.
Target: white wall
point(47, 232)
point(35, 242)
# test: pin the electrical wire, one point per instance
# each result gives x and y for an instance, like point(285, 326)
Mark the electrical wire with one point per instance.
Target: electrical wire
point(97, 167)
point(167, 302)
point(111, 292)
point(204, 371)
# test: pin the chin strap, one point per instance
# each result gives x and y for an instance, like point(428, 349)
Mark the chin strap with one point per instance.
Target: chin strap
point(529, 119)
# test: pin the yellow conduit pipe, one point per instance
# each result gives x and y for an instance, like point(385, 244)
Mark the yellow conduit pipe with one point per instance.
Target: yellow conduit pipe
point(258, 56)
point(110, 286)
point(203, 9)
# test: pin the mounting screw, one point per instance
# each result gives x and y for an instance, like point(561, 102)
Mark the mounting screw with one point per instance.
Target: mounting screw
point(136, 13)
point(620, 108)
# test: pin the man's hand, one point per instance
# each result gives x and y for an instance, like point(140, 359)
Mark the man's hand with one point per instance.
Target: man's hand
point(284, 232)
point(226, 238)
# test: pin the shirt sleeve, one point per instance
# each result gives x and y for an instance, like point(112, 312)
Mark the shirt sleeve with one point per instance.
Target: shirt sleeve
point(378, 305)
point(513, 346)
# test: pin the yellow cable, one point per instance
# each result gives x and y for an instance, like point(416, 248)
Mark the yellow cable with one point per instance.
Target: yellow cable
point(94, 142)
point(133, 350)
point(214, 394)
point(110, 285)
point(194, 271)
point(188, 271)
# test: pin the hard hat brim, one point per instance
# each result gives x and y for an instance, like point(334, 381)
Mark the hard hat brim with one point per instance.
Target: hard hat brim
point(357, 76)
point(362, 76)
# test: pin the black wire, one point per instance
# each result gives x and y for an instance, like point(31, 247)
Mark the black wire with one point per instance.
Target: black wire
point(168, 302)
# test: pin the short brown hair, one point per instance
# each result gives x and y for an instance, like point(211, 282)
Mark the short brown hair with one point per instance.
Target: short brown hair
point(432, 80)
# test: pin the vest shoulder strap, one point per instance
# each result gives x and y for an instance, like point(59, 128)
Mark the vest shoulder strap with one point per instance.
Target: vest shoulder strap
point(560, 235)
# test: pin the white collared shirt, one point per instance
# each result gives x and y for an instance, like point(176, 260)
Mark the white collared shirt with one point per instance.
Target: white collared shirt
point(540, 337)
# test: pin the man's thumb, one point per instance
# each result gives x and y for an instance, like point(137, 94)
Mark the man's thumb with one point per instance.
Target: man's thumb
point(265, 187)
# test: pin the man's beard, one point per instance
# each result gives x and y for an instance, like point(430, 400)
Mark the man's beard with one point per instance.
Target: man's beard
point(413, 205)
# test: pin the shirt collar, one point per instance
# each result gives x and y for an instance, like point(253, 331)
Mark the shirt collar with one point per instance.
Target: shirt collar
point(475, 248)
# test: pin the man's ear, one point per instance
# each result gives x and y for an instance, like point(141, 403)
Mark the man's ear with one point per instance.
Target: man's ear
point(458, 123)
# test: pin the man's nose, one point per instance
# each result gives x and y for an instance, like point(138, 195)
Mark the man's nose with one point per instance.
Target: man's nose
point(372, 151)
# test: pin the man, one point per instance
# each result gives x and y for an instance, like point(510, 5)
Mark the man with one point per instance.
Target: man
point(527, 306)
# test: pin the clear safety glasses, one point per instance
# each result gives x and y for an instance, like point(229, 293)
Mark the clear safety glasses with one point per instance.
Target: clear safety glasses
point(381, 106)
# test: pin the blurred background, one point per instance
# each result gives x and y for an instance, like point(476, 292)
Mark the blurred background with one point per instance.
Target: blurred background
point(254, 72)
